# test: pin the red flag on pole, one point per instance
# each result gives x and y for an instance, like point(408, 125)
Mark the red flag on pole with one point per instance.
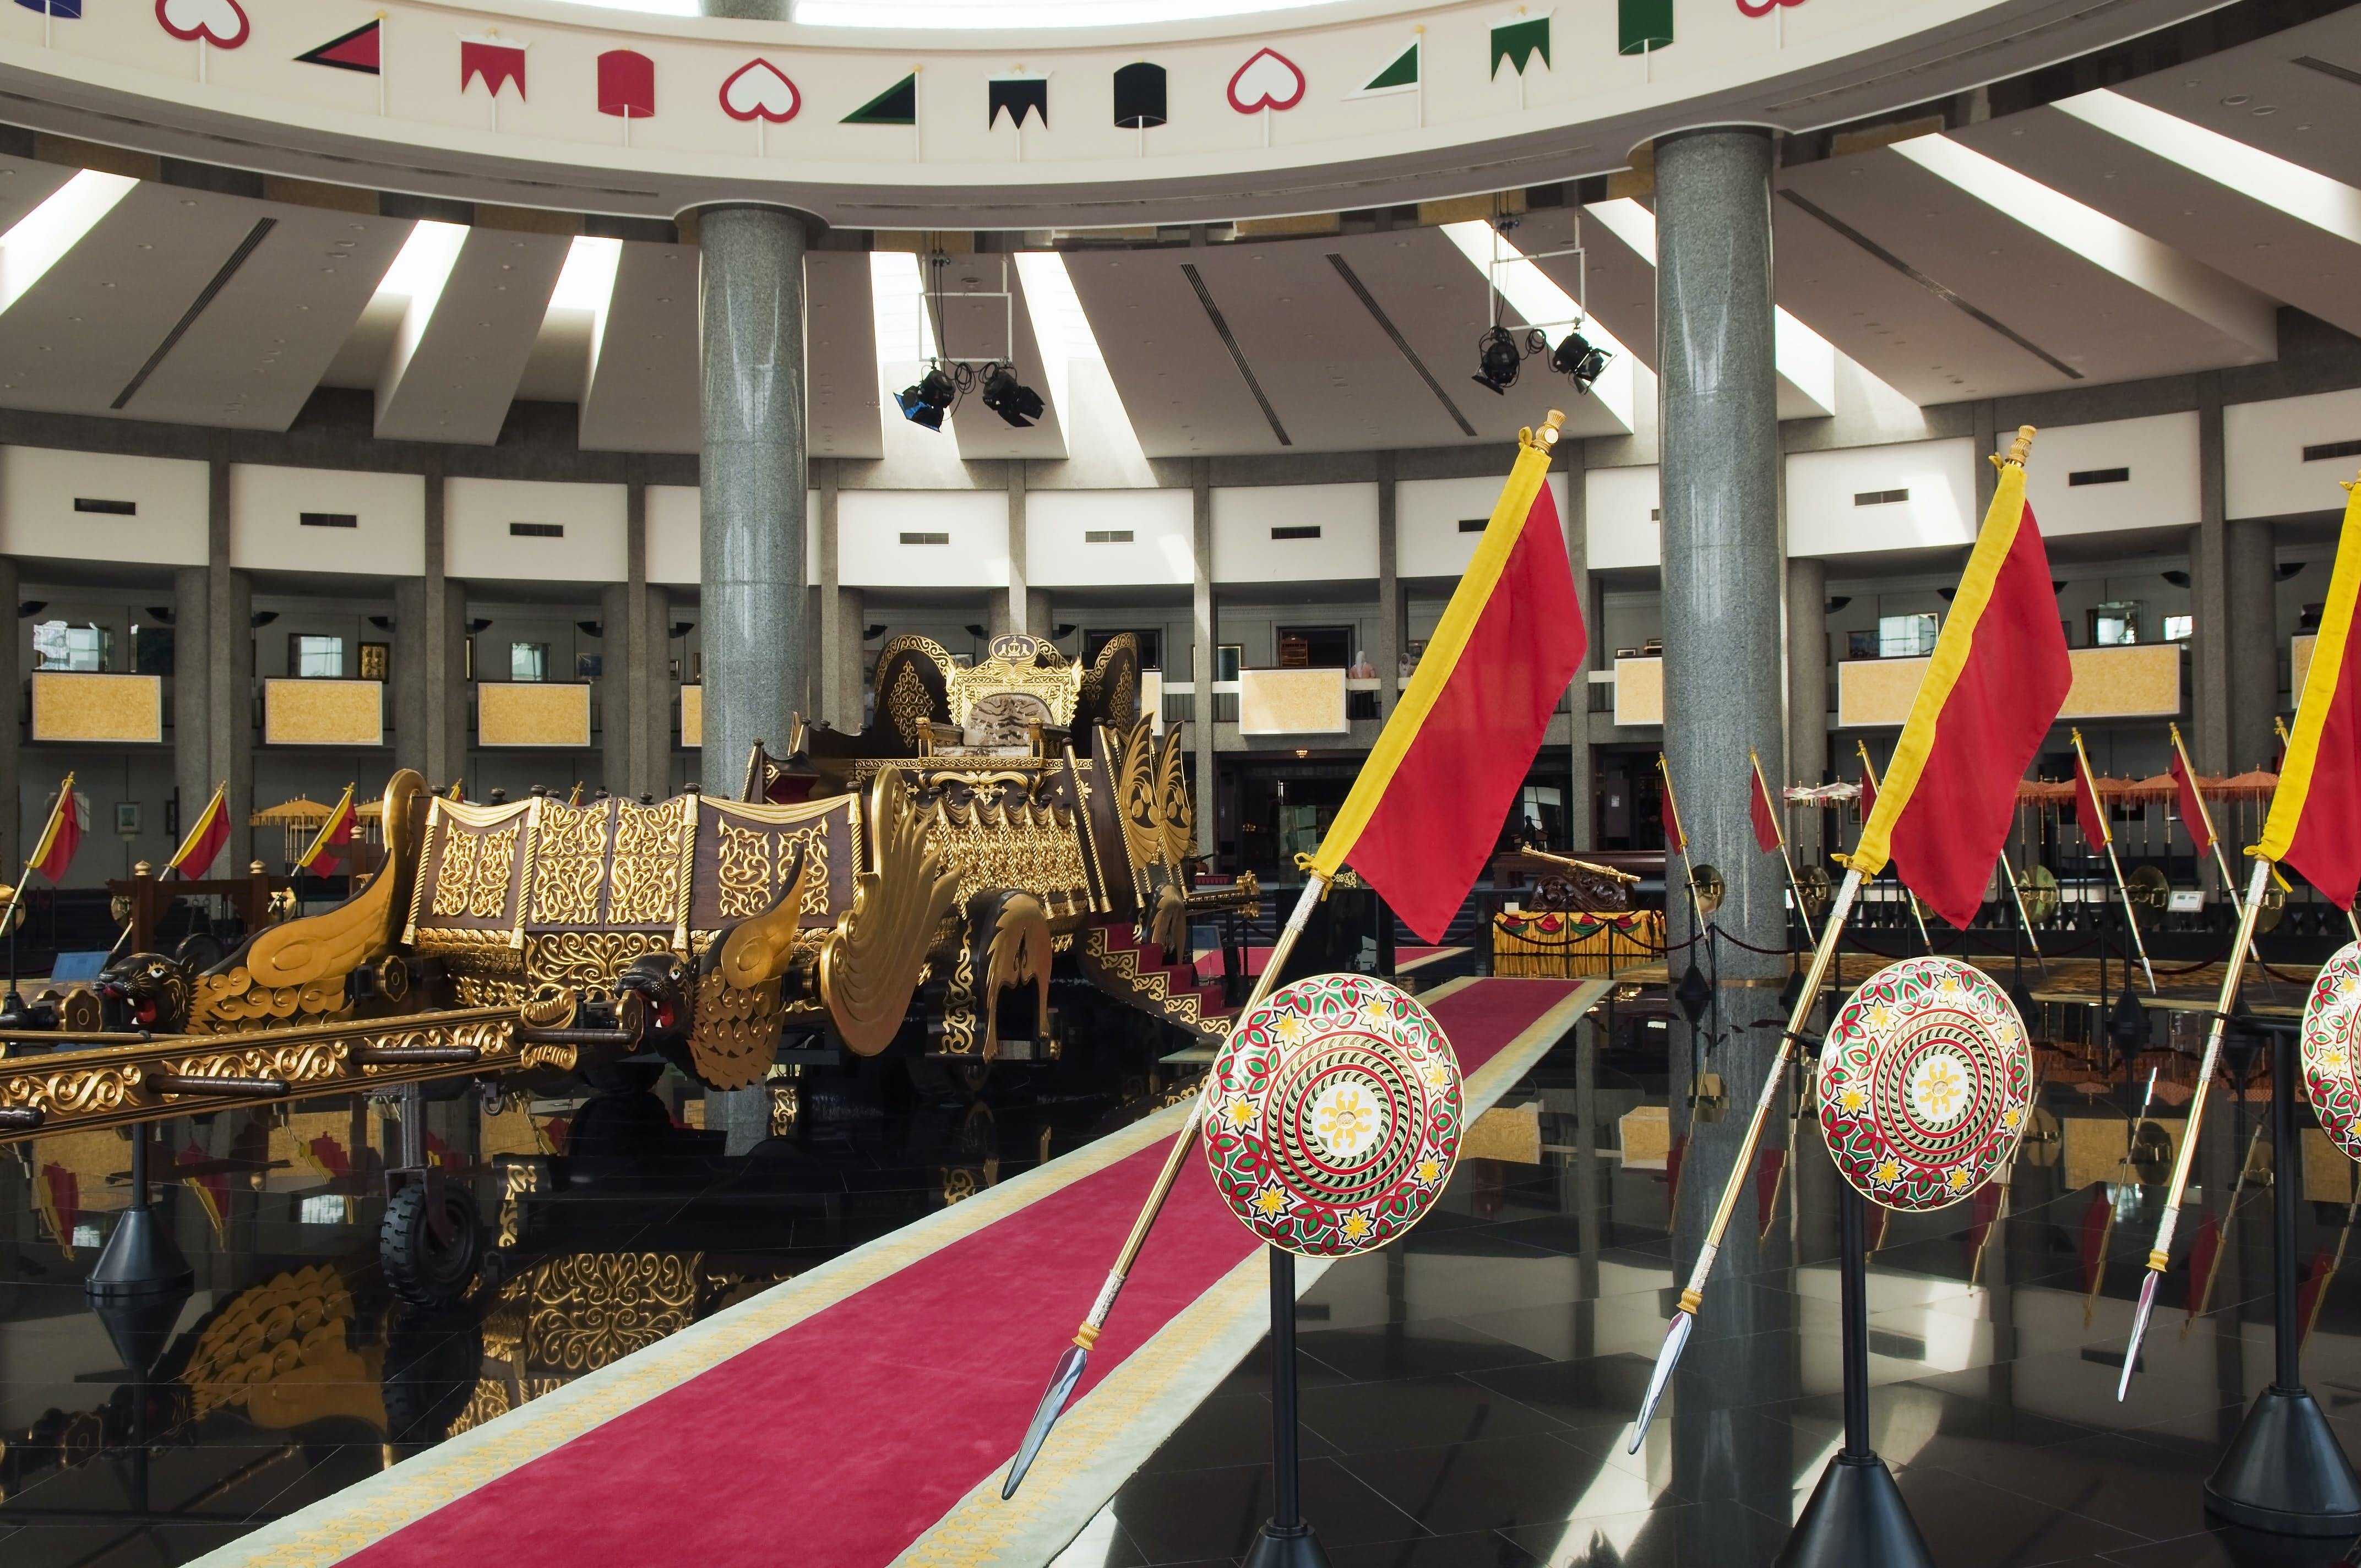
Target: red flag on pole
point(333, 835)
point(1765, 814)
point(62, 834)
point(1424, 814)
point(2190, 806)
point(2316, 820)
point(2098, 1223)
point(206, 840)
point(1868, 788)
point(1674, 838)
point(2089, 815)
point(1993, 688)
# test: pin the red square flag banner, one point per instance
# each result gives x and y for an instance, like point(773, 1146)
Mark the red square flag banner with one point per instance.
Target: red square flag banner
point(1993, 688)
point(1674, 838)
point(1426, 810)
point(1765, 814)
point(69, 820)
point(2316, 820)
point(2089, 816)
point(206, 839)
point(2187, 801)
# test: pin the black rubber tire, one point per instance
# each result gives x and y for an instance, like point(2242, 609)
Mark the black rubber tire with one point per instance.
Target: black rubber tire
point(420, 1270)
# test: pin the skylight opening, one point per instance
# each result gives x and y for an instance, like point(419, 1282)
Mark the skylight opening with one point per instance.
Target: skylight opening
point(906, 337)
point(1072, 362)
point(2297, 191)
point(41, 237)
point(1533, 296)
point(586, 284)
point(425, 262)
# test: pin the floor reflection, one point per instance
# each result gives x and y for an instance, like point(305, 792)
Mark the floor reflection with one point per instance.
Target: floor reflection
point(1468, 1395)
point(155, 1430)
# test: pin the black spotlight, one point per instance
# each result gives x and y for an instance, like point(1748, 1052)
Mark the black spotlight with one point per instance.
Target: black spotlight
point(1495, 353)
point(1579, 361)
point(927, 402)
point(1009, 398)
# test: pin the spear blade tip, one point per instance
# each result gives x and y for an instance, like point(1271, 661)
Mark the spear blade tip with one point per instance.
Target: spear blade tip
point(1676, 1337)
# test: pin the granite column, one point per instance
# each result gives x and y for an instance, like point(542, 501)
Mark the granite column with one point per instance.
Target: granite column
point(751, 540)
point(1723, 588)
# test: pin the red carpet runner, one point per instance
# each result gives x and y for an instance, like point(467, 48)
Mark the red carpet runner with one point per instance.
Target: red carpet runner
point(836, 1444)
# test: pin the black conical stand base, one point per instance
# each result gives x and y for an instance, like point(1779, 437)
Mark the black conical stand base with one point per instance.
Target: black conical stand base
point(142, 1258)
point(1297, 1547)
point(1856, 1520)
point(2285, 1472)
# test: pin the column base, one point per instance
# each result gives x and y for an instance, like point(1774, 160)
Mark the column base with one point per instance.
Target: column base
point(2285, 1472)
point(1856, 1520)
point(1293, 1547)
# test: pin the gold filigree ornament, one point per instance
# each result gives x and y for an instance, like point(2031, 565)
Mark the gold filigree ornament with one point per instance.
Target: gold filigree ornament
point(739, 1011)
point(296, 971)
point(871, 964)
point(1178, 809)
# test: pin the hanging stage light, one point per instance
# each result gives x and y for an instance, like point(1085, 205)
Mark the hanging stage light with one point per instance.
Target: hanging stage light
point(1012, 401)
point(1576, 359)
point(927, 402)
point(1496, 353)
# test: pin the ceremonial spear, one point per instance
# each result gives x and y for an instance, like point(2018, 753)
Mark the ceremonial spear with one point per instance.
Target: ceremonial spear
point(2088, 781)
point(1516, 622)
point(2012, 683)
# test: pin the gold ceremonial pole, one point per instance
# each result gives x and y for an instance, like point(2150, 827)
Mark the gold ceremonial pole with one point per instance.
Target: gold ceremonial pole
point(2205, 817)
point(2161, 1253)
point(2351, 919)
point(1779, 831)
point(2107, 837)
point(1870, 773)
point(1677, 1335)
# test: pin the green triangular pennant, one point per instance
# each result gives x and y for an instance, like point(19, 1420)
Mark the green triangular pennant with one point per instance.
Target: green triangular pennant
point(1517, 42)
point(897, 105)
point(1641, 26)
point(1400, 75)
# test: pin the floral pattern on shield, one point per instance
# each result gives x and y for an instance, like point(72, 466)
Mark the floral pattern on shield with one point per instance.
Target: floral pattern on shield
point(1334, 1115)
point(1925, 1083)
point(2329, 1077)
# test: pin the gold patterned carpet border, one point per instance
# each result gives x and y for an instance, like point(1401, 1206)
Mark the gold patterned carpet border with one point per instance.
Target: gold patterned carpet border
point(1111, 1431)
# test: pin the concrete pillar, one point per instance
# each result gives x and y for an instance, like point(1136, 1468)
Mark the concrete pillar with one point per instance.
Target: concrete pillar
point(751, 539)
point(2252, 644)
point(193, 637)
point(1808, 695)
point(1391, 625)
point(2209, 597)
point(1201, 485)
point(1020, 600)
point(1723, 586)
point(1580, 829)
point(430, 631)
point(829, 701)
point(229, 653)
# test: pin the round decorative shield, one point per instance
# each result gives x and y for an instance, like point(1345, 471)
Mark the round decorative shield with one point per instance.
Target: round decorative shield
point(1334, 1115)
point(2330, 1075)
point(1925, 1083)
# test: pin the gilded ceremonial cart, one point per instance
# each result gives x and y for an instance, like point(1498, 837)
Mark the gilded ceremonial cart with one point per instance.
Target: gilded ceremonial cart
point(912, 888)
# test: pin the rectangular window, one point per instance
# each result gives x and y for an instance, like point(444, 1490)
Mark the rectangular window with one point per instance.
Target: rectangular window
point(528, 661)
point(2178, 628)
point(110, 509)
point(1906, 636)
point(1307, 530)
point(328, 519)
point(1879, 498)
point(926, 539)
point(536, 530)
point(1472, 524)
point(59, 646)
point(2099, 476)
point(1106, 536)
point(1315, 647)
point(2327, 449)
point(315, 658)
point(2116, 625)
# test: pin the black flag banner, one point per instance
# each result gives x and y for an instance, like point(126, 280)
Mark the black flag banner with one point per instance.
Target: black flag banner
point(1019, 94)
point(1139, 96)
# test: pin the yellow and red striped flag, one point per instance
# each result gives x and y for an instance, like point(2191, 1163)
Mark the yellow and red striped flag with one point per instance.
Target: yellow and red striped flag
point(1993, 688)
point(333, 835)
point(208, 836)
point(1426, 810)
point(68, 819)
point(2316, 820)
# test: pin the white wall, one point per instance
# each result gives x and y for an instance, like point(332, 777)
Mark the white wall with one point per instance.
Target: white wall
point(1161, 549)
point(869, 553)
point(2264, 471)
point(2161, 454)
point(477, 517)
point(1822, 519)
point(1243, 551)
point(673, 533)
point(1620, 515)
point(267, 531)
point(39, 486)
point(1427, 515)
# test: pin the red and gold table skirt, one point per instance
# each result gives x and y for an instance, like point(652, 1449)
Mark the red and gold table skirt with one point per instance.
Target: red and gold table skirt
point(1562, 947)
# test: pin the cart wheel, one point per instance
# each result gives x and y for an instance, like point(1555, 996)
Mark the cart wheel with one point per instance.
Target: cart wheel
point(422, 1268)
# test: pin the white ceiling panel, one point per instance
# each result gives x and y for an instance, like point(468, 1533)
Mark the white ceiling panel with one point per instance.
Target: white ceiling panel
point(24, 185)
point(841, 351)
point(464, 373)
point(259, 350)
point(2263, 94)
point(643, 392)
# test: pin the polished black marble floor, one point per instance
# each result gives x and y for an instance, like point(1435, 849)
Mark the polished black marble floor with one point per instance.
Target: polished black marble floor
point(1467, 1395)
